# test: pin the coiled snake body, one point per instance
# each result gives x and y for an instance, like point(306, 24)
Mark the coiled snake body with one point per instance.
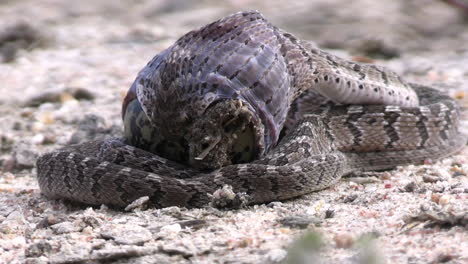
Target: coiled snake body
point(210, 110)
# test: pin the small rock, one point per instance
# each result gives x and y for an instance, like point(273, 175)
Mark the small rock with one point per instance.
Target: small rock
point(20, 36)
point(370, 235)
point(25, 155)
point(226, 198)
point(344, 240)
point(444, 199)
point(6, 143)
point(276, 255)
point(58, 95)
point(350, 198)
point(174, 228)
point(176, 250)
point(138, 203)
point(300, 221)
point(8, 164)
point(363, 180)
point(38, 139)
point(125, 253)
point(435, 197)
point(439, 188)
point(194, 224)
point(38, 260)
point(131, 235)
point(444, 258)
point(49, 220)
point(430, 178)
point(410, 187)
point(82, 94)
point(458, 174)
point(329, 213)
point(376, 48)
point(66, 227)
point(458, 190)
point(38, 249)
point(442, 217)
point(91, 221)
point(173, 211)
point(14, 221)
point(92, 127)
point(275, 204)
point(385, 175)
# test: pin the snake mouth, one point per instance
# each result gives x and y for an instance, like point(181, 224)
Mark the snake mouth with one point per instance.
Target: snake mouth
point(227, 133)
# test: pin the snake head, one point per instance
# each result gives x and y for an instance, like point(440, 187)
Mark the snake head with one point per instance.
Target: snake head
point(228, 133)
point(233, 66)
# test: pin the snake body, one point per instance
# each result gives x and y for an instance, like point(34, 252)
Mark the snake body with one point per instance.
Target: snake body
point(240, 102)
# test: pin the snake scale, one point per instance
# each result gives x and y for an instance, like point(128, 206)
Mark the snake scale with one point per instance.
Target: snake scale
point(240, 102)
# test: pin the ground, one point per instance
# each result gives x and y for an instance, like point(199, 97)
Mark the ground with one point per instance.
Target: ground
point(65, 67)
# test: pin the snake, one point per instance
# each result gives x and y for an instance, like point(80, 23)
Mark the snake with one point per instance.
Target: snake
point(242, 103)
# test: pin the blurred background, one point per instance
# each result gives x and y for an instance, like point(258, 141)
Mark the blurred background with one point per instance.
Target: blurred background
point(363, 26)
point(378, 29)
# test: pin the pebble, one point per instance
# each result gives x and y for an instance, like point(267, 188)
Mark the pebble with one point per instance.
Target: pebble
point(410, 187)
point(176, 250)
point(194, 224)
point(174, 228)
point(130, 235)
point(226, 198)
point(343, 240)
point(89, 128)
point(300, 221)
point(138, 203)
point(58, 95)
point(25, 155)
point(276, 255)
point(49, 220)
point(350, 198)
point(444, 199)
point(275, 204)
point(329, 213)
point(65, 227)
point(14, 221)
point(38, 249)
point(38, 139)
point(430, 178)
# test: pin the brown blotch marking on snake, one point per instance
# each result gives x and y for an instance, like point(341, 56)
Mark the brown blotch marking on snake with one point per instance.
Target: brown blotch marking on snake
point(390, 130)
point(423, 134)
point(355, 131)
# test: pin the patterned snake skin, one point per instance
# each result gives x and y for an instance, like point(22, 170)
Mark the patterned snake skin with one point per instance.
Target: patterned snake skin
point(239, 102)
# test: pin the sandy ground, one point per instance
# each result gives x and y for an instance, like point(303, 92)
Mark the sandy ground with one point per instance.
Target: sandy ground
point(64, 72)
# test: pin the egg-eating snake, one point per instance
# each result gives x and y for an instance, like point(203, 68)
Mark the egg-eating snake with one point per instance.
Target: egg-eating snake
point(242, 103)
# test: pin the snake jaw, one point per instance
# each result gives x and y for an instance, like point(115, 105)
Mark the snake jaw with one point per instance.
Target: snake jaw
point(227, 133)
point(209, 148)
